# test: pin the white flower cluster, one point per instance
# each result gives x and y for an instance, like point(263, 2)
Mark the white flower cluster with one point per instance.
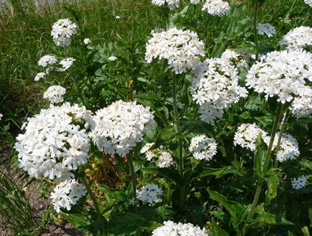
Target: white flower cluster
point(54, 142)
point(302, 105)
point(203, 148)
point(55, 94)
point(246, 136)
point(66, 194)
point(172, 4)
point(195, 2)
point(112, 58)
point(299, 183)
point(179, 229)
point(298, 37)
point(284, 74)
point(49, 61)
point(235, 58)
point(86, 41)
point(120, 126)
point(164, 158)
point(288, 149)
point(1, 116)
point(309, 2)
point(266, 29)
point(181, 48)
point(217, 7)
point(62, 30)
point(149, 193)
point(215, 87)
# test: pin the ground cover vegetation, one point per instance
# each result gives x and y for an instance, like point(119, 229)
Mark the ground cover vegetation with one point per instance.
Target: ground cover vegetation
point(158, 117)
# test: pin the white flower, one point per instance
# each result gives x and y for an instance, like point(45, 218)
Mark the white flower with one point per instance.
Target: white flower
point(283, 74)
point(55, 94)
point(86, 41)
point(54, 142)
point(288, 149)
point(66, 194)
point(149, 193)
point(299, 183)
point(203, 148)
point(1, 116)
point(195, 2)
point(298, 37)
point(267, 29)
point(39, 76)
point(172, 4)
point(47, 60)
point(217, 7)
point(182, 49)
point(112, 58)
point(164, 158)
point(179, 229)
point(246, 136)
point(302, 105)
point(62, 30)
point(235, 58)
point(132, 201)
point(117, 17)
point(120, 126)
point(66, 63)
point(309, 2)
point(215, 87)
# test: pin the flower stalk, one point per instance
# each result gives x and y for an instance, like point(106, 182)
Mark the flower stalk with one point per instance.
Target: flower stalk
point(255, 29)
point(101, 218)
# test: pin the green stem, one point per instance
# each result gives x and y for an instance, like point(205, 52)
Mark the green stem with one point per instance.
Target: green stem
point(178, 131)
point(265, 166)
point(81, 95)
point(255, 29)
point(132, 173)
point(280, 135)
point(101, 218)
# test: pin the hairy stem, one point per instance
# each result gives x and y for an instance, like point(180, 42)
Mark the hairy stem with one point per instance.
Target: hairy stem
point(178, 131)
point(101, 218)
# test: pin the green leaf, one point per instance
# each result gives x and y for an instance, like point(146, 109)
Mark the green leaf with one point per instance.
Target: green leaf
point(235, 209)
point(216, 230)
point(218, 172)
point(261, 150)
point(112, 195)
point(167, 173)
point(129, 222)
point(272, 182)
point(76, 219)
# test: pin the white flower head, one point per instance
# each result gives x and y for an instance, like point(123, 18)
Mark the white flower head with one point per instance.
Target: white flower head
point(86, 41)
point(39, 76)
point(309, 2)
point(246, 136)
point(62, 30)
point(54, 142)
point(195, 2)
point(235, 58)
point(298, 37)
point(47, 60)
point(66, 194)
point(164, 158)
point(66, 63)
point(283, 74)
point(215, 87)
point(203, 148)
point(302, 104)
point(266, 29)
point(112, 58)
point(1, 116)
point(172, 4)
point(120, 126)
point(299, 183)
point(289, 148)
point(149, 193)
point(55, 94)
point(217, 7)
point(182, 49)
point(176, 229)
point(117, 17)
